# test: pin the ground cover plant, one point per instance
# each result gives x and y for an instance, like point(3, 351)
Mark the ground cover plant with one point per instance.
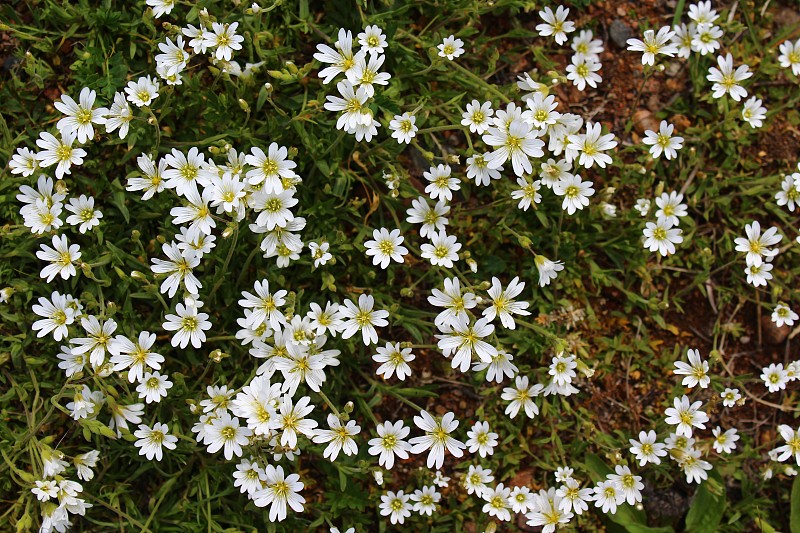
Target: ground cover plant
point(442, 265)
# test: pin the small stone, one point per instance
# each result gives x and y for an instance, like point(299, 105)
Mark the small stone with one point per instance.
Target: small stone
point(644, 120)
point(619, 33)
point(773, 334)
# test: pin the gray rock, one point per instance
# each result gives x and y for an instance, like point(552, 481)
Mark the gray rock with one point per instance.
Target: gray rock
point(619, 33)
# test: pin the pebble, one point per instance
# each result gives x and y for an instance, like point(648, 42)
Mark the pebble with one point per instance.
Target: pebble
point(619, 33)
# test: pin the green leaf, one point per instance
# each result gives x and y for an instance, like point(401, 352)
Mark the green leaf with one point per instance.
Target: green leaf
point(794, 517)
point(708, 505)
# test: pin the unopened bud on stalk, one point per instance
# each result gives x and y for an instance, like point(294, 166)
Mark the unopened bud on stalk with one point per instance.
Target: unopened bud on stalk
point(453, 159)
point(588, 372)
point(61, 187)
point(244, 105)
point(348, 407)
point(138, 276)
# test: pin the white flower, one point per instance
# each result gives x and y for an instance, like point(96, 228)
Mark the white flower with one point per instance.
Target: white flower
point(498, 502)
point(500, 367)
point(451, 47)
point(790, 56)
point(404, 127)
point(396, 506)
point(173, 58)
point(775, 377)
point(476, 479)
point(481, 440)
point(590, 146)
point(142, 92)
point(393, 359)
point(61, 257)
point(80, 115)
point(555, 24)
point(702, 13)
point(608, 495)
point(754, 113)
point(660, 236)
point(585, 45)
point(582, 71)
point(792, 446)
point(789, 195)
point(575, 191)
point(478, 168)
point(366, 72)
point(319, 252)
point(152, 439)
point(226, 434)
point(291, 420)
point(694, 467)
point(179, 267)
point(98, 341)
point(437, 438)
point(759, 275)
point(527, 193)
point(696, 371)
point(441, 183)
point(521, 499)
point(385, 246)
point(189, 324)
point(670, 207)
point(57, 314)
point(45, 489)
point(756, 245)
point(270, 168)
point(521, 395)
point(562, 369)
point(462, 340)
point(279, 491)
point(59, 152)
point(683, 39)
point(153, 387)
point(23, 162)
point(351, 103)
point(425, 500)
point(432, 218)
point(573, 497)
point(440, 480)
point(265, 305)
point(224, 39)
point(685, 416)
point(362, 317)
point(340, 58)
point(653, 44)
point(517, 142)
point(248, 476)
point(453, 300)
point(442, 250)
point(642, 206)
point(629, 484)
point(340, 436)
point(372, 40)
point(477, 116)
point(663, 141)
point(161, 7)
point(135, 357)
point(84, 214)
point(548, 270)
point(725, 442)
point(503, 304)
point(783, 315)
point(730, 397)
point(726, 80)
point(390, 442)
point(706, 38)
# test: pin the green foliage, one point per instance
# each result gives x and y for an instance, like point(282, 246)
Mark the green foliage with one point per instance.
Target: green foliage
point(626, 313)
